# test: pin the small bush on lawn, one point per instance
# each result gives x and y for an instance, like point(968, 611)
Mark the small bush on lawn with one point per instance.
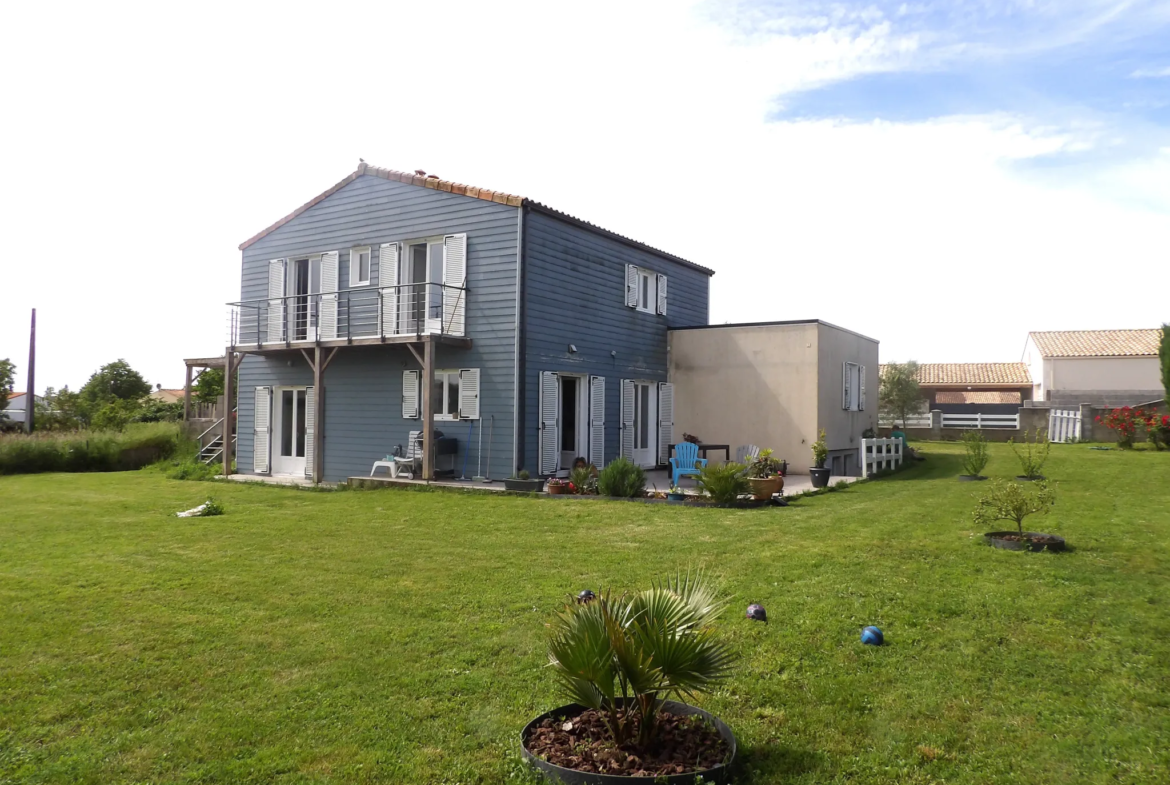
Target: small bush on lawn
point(1032, 454)
point(1010, 501)
point(90, 451)
point(622, 478)
point(192, 469)
point(725, 483)
point(975, 460)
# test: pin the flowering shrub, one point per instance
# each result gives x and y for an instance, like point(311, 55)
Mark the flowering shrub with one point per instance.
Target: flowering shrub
point(1127, 420)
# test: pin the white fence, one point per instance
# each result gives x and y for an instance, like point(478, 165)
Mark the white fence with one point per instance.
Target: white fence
point(1064, 425)
point(979, 420)
point(912, 421)
point(877, 454)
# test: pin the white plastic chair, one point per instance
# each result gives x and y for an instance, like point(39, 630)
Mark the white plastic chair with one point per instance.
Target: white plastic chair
point(746, 452)
point(411, 459)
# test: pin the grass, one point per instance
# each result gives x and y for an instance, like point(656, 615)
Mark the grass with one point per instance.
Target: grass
point(397, 636)
point(136, 446)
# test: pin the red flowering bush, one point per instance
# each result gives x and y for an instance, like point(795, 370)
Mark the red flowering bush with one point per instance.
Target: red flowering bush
point(1127, 420)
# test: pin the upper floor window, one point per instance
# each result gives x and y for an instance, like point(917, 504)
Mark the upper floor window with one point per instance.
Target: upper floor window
point(853, 387)
point(359, 266)
point(645, 290)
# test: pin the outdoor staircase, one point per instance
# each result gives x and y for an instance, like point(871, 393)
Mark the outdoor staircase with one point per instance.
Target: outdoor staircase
point(211, 451)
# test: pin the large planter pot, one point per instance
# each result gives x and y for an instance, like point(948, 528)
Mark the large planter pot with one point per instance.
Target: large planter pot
point(557, 489)
point(1050, 541)
point(531, 486)
point(765, 488)
point(676, 498)
point(719, 774)
point(820, 477)
point(971, 478)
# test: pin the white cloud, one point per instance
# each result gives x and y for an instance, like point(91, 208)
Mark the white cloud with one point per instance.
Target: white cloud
point(1151, 73)
point(156, 139)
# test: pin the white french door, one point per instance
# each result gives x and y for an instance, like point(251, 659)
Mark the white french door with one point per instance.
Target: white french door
point(290, 413)
point(646, 424)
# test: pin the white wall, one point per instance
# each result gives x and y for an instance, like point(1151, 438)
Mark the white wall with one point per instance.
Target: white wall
point(1105, 373)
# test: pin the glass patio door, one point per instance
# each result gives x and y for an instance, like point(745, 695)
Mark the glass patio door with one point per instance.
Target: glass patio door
point(289, 431)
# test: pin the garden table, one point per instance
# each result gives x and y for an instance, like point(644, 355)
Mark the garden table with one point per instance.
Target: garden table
point(726, 448)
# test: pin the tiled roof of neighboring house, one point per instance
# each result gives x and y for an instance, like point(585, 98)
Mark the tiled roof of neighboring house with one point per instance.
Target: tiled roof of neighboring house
point(16, 394)
point(449, 186)
point(167, 396)
point(1097, 343)
point(972, 374)
point(978, 396)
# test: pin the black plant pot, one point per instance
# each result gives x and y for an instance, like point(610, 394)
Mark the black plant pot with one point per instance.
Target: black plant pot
point(971, 478)
point(719, 774)
point(532, 486)
point(995, 540)
point(820, 477)
point(1033, 478)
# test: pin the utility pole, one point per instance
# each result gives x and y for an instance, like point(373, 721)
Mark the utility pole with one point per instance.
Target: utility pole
point(30, 398)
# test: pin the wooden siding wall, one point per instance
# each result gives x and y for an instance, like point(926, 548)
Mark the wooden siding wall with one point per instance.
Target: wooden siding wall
point(363, 417)
point(575, 293)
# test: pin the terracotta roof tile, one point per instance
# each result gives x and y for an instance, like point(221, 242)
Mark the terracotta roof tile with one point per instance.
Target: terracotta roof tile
point(978, 396)
point(1097, 343)
point(973, 374)
point(499, 197)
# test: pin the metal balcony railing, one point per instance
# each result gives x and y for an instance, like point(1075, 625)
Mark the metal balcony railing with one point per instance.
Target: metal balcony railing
point(365, 312)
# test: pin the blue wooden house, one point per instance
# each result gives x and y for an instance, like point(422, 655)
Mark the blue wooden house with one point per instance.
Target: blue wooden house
point(395, 303)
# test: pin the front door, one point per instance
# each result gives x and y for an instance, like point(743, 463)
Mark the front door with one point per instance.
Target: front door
point(646, 424)
point(574, 420)
point(289, 430)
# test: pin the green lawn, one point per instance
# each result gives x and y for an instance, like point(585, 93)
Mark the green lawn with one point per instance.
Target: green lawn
point(396, 636)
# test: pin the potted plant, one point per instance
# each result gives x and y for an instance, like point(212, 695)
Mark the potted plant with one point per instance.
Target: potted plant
point(1010, 501)
point(975, 459)
point(1033, 454)
point(557, 486)
point(763, 474)
point(623, 479)
point(675, 494)
point(583, 480)
point(818, 473)
point(724, 483)
point(620, 660)
point(523, 482)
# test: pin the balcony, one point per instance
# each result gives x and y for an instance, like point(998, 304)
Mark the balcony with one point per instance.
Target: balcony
point(366, 315)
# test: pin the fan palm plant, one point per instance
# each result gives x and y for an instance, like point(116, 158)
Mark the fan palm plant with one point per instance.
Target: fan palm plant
point(624, 655)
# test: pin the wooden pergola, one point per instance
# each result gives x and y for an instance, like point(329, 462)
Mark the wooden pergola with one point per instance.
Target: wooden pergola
point(202, 364)
point(318, 355)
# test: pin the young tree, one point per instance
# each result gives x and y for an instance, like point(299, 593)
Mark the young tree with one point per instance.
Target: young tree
point(7, 379)
point(208, 386)
point(115, 380)
point(898, 393)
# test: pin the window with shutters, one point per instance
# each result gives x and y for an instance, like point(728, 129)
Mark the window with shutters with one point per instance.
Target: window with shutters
point(645, 290)
point(359, 266)
point(852, 387)
point(447, 392)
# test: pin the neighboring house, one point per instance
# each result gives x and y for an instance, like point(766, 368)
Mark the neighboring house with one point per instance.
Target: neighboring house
point(15, 408)
point(538, 335)
point(167, 396)
point(1104, 367)
point(966, 388)
point(777, 385)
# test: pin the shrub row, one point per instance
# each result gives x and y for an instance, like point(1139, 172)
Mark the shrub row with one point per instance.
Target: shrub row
point(90, 451)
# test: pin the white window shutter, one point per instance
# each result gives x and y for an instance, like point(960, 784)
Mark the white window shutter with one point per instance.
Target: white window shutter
point(861, 388)
point(262, 430)
point(597, 421)
point(626, 445)
point(845, 386)
point(469, 394)
point(275, 301)
point(549, 457)
point(410, 391)
point(388, 277)
point(665, 421)
point(662, 295)
point(327, 310)
point(454, 281)
point(310, 429)
point(632, 285)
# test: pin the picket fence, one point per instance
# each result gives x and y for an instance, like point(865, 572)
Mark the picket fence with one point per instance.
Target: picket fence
point(1064, 425)
point(877, 454)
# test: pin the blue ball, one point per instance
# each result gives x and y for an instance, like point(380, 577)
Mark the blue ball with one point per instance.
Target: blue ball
point(872, 636)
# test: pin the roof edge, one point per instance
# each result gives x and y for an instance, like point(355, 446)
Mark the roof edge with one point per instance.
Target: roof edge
point(621, 238)
point(783, 323)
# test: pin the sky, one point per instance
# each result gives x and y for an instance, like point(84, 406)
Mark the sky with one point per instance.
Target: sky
point(942, 176)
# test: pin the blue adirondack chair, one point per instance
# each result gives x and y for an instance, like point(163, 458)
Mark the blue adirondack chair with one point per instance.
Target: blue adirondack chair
point(686, 460)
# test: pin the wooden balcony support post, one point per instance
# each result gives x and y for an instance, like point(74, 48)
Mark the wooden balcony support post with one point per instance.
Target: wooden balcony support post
point(229, 373)
point(428, 410)
point(187, 396)
point(318, 414)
